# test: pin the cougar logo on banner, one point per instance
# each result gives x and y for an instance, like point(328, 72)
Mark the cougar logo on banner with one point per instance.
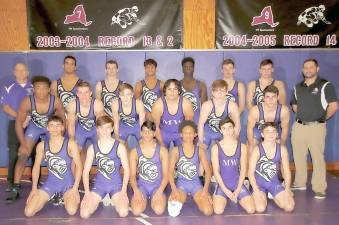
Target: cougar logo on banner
point(190, 96)
point(147, 169)
point(186, 168)
point(266, 16)
point(78, 16)
point(125, 17)
point(105, 165)
point(148, 98)
point(56, 165)
point(267, 169)
point(312, 16)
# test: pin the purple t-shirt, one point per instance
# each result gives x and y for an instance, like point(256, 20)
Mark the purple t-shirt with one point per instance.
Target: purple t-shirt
point(13, 93)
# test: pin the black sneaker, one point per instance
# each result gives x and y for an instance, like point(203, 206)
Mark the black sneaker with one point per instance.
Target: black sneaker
point(13, 196)
point(57, 199)
point(9, 187)
point(320, 195)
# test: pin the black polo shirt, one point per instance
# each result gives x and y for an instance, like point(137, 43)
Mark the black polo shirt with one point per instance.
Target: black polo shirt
point(312, 101)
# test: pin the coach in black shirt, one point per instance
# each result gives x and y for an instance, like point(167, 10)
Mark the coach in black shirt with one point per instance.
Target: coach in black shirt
point(314, 101)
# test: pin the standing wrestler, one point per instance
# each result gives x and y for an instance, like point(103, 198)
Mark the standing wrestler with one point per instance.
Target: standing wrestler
point(109, 155)
point(268, 111)
point(11, 98)
point(128, 114)
point(185, 159)
point(107, 90)
point(236, 89)
point(254, 89)
point(169, 111)
point(264, 165)
point(193, 89)
point(314, 101)
point(64, 87)
point(229, 162)
point(213, 111)
point(39, 106)
point(149, 174)
point(59, 152)
point(149, 89)
point(81, 115)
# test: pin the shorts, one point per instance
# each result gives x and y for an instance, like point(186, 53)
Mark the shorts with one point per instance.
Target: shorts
point(189, 187)
point(34, 133)
point(148, 190)
point(211, 136)
point(82, 135)
point(125, 132)
point(168, 137)
point(243, 193)
point(107, 188)
point(52, 187)
point(273, 187)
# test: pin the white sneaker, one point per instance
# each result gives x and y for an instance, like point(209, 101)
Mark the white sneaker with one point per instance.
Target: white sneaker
point(174, 208)
point(269, 195)
point(106, 201)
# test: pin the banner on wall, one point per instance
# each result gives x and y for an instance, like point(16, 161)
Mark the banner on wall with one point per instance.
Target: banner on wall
point(105, 24)
point(277, 24)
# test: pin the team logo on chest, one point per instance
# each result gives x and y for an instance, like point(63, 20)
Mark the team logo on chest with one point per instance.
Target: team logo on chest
point(56, 165)
point(39, 120)
point(213, 122)
point(148, 98)
point(190, 96)
point(230, 97)
point(107, 98)
point(148, 170)
point(186, 168)
point(65, 96)
point(267, 168)
point(106, 166)
point(85, 122)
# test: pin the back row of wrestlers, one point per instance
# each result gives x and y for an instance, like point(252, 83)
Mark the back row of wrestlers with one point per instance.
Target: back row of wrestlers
point(167, 111)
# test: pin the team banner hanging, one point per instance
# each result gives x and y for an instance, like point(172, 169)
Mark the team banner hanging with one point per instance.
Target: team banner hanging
point(277, 24)
point(105, 24)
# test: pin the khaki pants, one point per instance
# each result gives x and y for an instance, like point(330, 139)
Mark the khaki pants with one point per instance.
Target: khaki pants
point(311, 138)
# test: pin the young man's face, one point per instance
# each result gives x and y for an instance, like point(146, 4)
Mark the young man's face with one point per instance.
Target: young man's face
point(84, 93)
point(271, 98)
point(266, 71)
point(105, 130)
point(126, 95)
point(227, 130)
point(172, 91)
point(55, 128)
point(228, 70)
point(270, 134)
point(111, 69)
point(188, 68)
point(150, 70)
point(69, 65)
point(188, 134)
point(147, 134)
point(41, 90)
point(219, 93)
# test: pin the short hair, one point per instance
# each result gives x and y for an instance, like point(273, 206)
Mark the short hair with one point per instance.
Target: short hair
point(266, 62)
point(271, 89)
point(124, 86)
point(269, 124)
point(187, 59)
point(226, 120)
point(102, 120)
point(149, 125)
point(42, 79)
point(219, 84)
point(70, 57)
point(189, 123)
point(311, 60)
point(150, 62)
point(84, 83)
point(111, 62)
point(168, 83)
point(228, 61)
point(55, 118)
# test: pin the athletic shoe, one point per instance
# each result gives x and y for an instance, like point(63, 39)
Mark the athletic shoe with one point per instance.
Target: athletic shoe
point(13, 196)
point(296, 188)
point(320, 195)
point(269, 195)
point(174, 208)
point(57, 199)
point(9, 187)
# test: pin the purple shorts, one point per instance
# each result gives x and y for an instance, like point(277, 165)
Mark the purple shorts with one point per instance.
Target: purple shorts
point(148, 191)
point(82, 135)
point(243, 193)
point(167, 138)
point(34, 133)
point(108, 188)
point(189, 187)
point(56, 187)
point(274, 187)
point(125, 132)
point(211, 136)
